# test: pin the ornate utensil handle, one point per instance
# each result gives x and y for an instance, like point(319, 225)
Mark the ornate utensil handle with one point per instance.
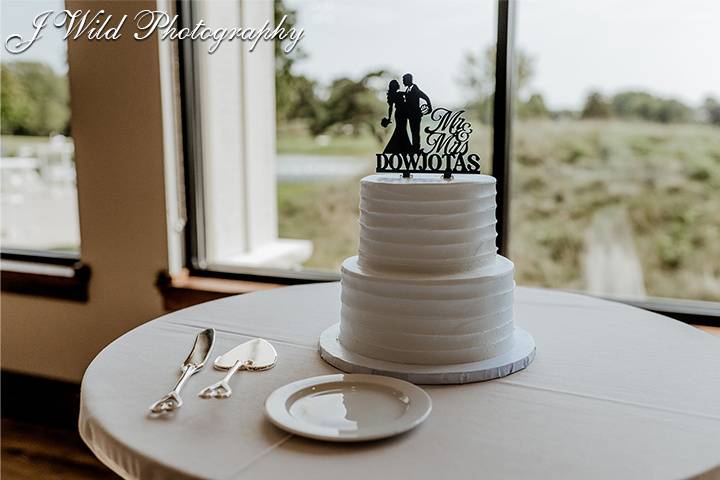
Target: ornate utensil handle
point(222, 388)
point(172, 400)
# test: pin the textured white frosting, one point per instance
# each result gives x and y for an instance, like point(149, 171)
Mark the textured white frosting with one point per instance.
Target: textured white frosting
point(427, 286)
point(427, 224)
point(428, 319)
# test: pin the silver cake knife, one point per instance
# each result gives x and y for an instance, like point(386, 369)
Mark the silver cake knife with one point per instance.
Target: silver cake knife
point(193, 363)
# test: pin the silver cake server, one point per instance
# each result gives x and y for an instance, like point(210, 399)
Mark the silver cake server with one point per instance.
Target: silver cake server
point(193, 363)
point(257, 354)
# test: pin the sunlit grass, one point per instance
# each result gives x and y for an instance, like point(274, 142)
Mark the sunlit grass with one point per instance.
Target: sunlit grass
point(9, 144)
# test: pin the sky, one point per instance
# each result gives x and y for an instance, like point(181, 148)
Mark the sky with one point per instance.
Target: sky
point(16, 16)
point(670, 48)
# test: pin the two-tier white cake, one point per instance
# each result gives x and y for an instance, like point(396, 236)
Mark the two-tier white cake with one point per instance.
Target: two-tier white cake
point(427, 288)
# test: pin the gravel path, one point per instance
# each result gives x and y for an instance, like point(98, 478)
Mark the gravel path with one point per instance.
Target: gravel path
point(611, 264)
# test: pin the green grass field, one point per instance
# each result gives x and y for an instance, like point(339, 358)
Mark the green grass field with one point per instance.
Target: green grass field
point(9, 144)
point(665, 177)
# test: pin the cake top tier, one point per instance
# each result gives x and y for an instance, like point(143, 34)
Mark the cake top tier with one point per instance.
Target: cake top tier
point(426, 224)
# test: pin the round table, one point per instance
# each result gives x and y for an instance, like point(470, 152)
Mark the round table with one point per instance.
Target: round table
point(614, 392)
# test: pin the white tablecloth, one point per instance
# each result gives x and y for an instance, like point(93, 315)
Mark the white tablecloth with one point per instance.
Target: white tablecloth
point(614, 392)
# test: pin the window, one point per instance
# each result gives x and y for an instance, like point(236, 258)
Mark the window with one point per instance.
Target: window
point(616, 148)
point(229, 121)
point(611, 171)
point(299, 212)
point(39, 196)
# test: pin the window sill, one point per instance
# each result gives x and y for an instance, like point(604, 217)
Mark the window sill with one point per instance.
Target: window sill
point(62, 280)
point(694, 312)
point(183, 290)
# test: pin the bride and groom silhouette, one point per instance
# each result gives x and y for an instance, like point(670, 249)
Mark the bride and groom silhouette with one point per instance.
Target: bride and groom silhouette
point(407, 111)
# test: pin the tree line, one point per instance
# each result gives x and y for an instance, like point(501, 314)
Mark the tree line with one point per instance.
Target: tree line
point(639, 105)
point(34, 100)
point(478, 79)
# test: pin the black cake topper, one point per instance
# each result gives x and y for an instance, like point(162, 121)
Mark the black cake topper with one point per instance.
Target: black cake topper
point(447, 139)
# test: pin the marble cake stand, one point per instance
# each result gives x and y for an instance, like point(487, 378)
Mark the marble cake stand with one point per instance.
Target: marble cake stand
point(522, 353)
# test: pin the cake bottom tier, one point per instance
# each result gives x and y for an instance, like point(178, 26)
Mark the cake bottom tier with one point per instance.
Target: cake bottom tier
point(433, 320)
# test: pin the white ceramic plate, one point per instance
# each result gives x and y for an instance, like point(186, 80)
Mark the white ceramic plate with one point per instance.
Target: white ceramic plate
point(348, 407)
